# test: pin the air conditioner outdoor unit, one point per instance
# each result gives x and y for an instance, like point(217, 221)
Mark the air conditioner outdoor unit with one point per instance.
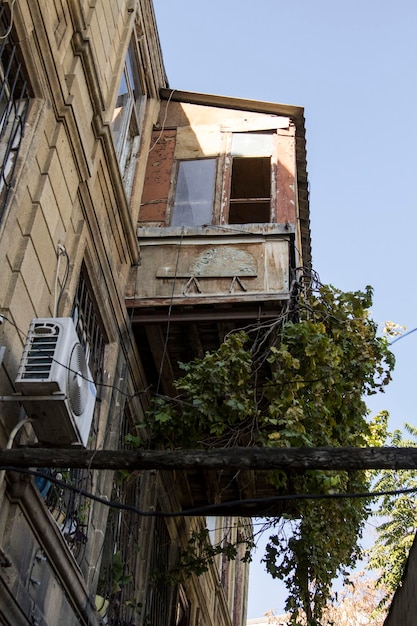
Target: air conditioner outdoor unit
point(55, 377)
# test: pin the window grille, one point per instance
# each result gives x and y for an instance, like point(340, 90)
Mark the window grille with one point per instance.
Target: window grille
point(14, 105)
point(159, 599)
point(70, 508)
point(88, 327)
point(118, 583)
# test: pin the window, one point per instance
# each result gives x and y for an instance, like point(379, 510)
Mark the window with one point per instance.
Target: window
point(128, 113)
point(244, 195)
point(194, 194)
point(250, 190)
point(159, 600)
point(88, 327)
point(182, 611)
point(251, 178)
point(14, 106)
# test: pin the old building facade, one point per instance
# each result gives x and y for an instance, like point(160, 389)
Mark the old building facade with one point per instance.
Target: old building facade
point(124, 206)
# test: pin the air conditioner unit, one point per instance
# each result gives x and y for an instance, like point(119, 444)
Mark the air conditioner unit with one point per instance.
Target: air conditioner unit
point(55, 377)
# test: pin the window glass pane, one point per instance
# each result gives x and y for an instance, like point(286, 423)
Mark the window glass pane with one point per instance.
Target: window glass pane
point(123, 90)
point(127, 115)
point(135, 87)
point(252, 144)
point(194, 193)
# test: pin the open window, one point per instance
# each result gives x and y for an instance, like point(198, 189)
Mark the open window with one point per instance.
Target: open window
point(250, 190)
point(244, 193)
point(128, 114)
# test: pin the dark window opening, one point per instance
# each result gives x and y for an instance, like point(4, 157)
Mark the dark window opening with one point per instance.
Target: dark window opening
point(118, 585)
point(250, 190)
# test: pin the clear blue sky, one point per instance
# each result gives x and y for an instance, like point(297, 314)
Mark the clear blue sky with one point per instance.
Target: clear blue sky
point(353, 66)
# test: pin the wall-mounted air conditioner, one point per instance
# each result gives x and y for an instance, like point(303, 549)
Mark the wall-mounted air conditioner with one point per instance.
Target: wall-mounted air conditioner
point(55, 377)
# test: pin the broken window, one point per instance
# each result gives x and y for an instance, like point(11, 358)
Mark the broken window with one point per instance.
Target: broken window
point(250, 190)
point(246, 187)
point(194, 194)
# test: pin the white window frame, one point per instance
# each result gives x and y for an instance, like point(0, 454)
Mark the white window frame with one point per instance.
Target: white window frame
point(128, 114)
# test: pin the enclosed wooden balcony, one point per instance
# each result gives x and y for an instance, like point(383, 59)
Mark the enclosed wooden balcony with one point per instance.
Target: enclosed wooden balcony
point(194, 285)
point(211, 265)
point(223, 225)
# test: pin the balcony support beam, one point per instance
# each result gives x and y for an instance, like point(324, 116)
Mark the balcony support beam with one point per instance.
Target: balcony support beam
point(239, 458)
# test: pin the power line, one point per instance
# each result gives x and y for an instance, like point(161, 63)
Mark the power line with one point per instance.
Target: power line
point(207, 509)
point(402, 336)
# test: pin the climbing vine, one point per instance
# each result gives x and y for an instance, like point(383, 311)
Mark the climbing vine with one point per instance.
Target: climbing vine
point(300, 380)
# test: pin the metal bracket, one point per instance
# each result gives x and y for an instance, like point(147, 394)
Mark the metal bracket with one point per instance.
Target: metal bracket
point(19, 397)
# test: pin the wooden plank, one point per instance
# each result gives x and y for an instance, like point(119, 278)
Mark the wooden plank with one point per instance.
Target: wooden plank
point(294, 459)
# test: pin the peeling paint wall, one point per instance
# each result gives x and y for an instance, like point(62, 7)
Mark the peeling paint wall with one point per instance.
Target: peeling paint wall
point(158, 178)
point(188, 131)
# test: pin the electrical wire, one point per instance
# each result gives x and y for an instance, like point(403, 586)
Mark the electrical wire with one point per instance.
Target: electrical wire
point(207, 509)
point(402, 336)
point(104, 385)
point(21, 332)
point(61, 252)
point(157, 140)
point(129, 396)
point(170, 313)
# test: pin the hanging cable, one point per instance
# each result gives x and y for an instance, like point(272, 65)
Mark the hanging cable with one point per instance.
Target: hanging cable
point(211, 508)
point(170, 311)
point(57, 300)
point(402, 336)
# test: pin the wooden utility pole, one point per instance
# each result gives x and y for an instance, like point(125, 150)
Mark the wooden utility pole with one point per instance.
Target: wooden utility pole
point(239, 458)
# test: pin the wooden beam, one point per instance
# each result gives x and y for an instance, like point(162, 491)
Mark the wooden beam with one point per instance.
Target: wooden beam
point(291, 459)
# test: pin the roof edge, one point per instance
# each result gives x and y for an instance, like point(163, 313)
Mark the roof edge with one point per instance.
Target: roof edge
point(227, 102)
